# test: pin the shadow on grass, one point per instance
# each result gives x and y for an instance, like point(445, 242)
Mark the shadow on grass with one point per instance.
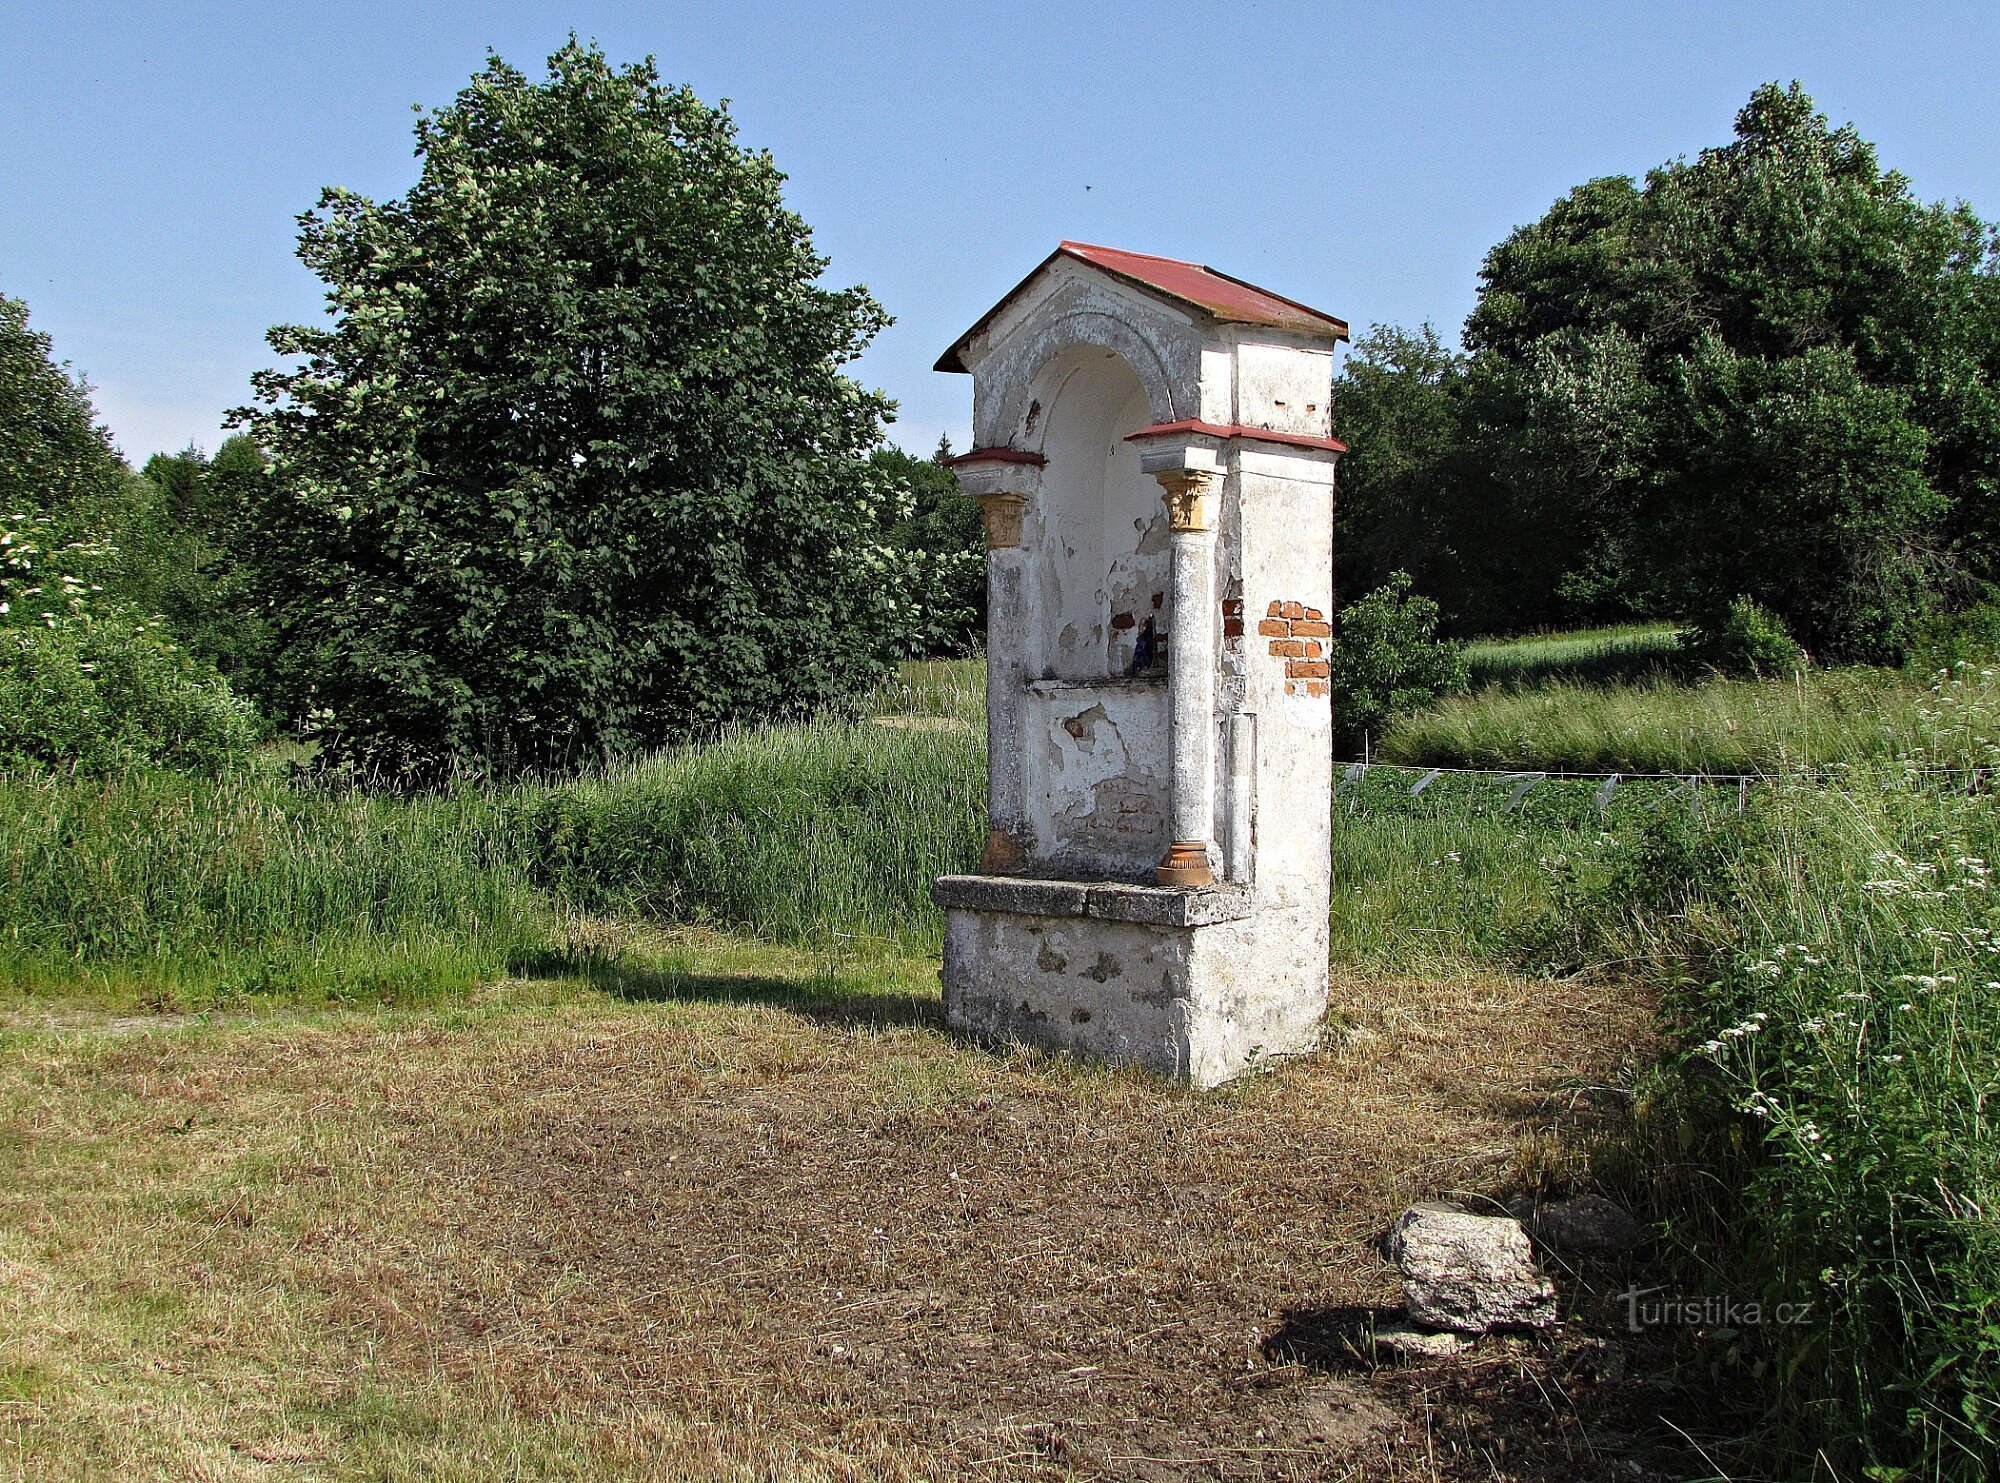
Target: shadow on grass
point(1339, 1339)
point(820, 996)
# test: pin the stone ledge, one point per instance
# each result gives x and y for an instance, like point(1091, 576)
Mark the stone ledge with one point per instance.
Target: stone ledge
point(1112, 901)
point(1146, 680)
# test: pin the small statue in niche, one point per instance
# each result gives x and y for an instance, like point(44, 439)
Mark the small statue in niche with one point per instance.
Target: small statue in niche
point(1146, 651)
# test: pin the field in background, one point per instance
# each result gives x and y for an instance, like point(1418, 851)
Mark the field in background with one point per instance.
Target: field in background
point(1815, 719)
point(1629, 652)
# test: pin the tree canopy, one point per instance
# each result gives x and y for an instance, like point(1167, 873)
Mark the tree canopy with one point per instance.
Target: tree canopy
point(573, 469)
point(1769, 372)
point(56, 458)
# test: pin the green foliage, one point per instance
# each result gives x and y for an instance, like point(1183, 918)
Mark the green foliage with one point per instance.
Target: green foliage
point(938, 530)
point(106, 694)
point(1758, 374)
point(574, 470)
point(1750, 642)
point(1400, 402)
point(1801, 486)
point(55, 458)
point(86, 685)
point(1768, 371)
point(190, 555)
point(1387, 659)
point(1946, 641)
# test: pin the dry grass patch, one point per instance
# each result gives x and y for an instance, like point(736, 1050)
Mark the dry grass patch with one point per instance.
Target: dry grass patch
point(750, 1213)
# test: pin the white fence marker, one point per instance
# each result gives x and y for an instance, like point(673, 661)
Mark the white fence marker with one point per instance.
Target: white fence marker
point(1526, 780)
point(1604, 796)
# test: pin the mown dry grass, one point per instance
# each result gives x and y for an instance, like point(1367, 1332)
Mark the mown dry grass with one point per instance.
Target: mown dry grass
point(743, 1212)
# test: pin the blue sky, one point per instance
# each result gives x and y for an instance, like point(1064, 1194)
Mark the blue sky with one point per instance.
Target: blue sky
point(1360, 157)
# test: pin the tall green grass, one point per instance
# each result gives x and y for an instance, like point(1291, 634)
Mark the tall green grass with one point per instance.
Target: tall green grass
point(1850, 1034)
point(191, 891)
point(1596, 655)
point(1454, 880)
point(177, 888)
point(804, 833)
point(1819, 717)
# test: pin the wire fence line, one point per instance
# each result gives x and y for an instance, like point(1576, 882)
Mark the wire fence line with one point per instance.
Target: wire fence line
point(1525, 780)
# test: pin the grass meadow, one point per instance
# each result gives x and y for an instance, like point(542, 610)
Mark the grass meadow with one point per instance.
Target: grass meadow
point(1630, 651)
point(1823, 946)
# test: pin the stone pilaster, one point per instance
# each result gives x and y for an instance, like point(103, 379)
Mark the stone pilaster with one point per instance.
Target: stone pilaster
point(1007, 636)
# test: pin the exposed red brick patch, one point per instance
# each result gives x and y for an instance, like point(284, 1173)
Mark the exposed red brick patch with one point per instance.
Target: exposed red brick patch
point(1294, 610)
point(1306, 669)
point(1288, 648)
point(1305, 628)
point(1274, 628)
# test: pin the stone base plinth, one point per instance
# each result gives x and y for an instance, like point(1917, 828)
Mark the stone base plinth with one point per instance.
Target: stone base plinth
point(1197, 984)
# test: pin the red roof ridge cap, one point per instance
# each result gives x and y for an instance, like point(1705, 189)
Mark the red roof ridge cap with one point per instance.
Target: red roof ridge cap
point(1236, 430)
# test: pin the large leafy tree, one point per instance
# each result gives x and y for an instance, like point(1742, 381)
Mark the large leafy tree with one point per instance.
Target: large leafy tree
point(1770, 372)
point(56, 458)
point(89, 679)
point(1420, 491)
point(574, 469)
point(190, 556)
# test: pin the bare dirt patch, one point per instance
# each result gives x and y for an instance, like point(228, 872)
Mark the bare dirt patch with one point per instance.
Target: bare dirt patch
point(827, 1236)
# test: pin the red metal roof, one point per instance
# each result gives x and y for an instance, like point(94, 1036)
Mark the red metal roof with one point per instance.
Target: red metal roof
point(1216, 294)
point(996, 455)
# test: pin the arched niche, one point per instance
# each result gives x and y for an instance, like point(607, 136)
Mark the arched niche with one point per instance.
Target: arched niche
point(1104, 558)
point(1096, 761)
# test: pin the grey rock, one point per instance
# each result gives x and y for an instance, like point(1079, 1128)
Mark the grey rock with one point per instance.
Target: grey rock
point(1469, 1273)
point(1587, 1223)
point(1407, 1342)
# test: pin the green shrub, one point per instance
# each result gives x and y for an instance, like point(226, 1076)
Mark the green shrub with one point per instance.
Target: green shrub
point(1970, 636)
point(1748, 641)
point(1388, 659)
point(99, 695)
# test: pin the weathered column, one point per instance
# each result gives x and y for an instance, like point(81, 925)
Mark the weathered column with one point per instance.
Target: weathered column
point(1007, 635)
point(1191, 676)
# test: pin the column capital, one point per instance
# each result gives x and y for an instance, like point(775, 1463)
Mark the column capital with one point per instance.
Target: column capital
point(1001, 512)
point(1189, 495)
